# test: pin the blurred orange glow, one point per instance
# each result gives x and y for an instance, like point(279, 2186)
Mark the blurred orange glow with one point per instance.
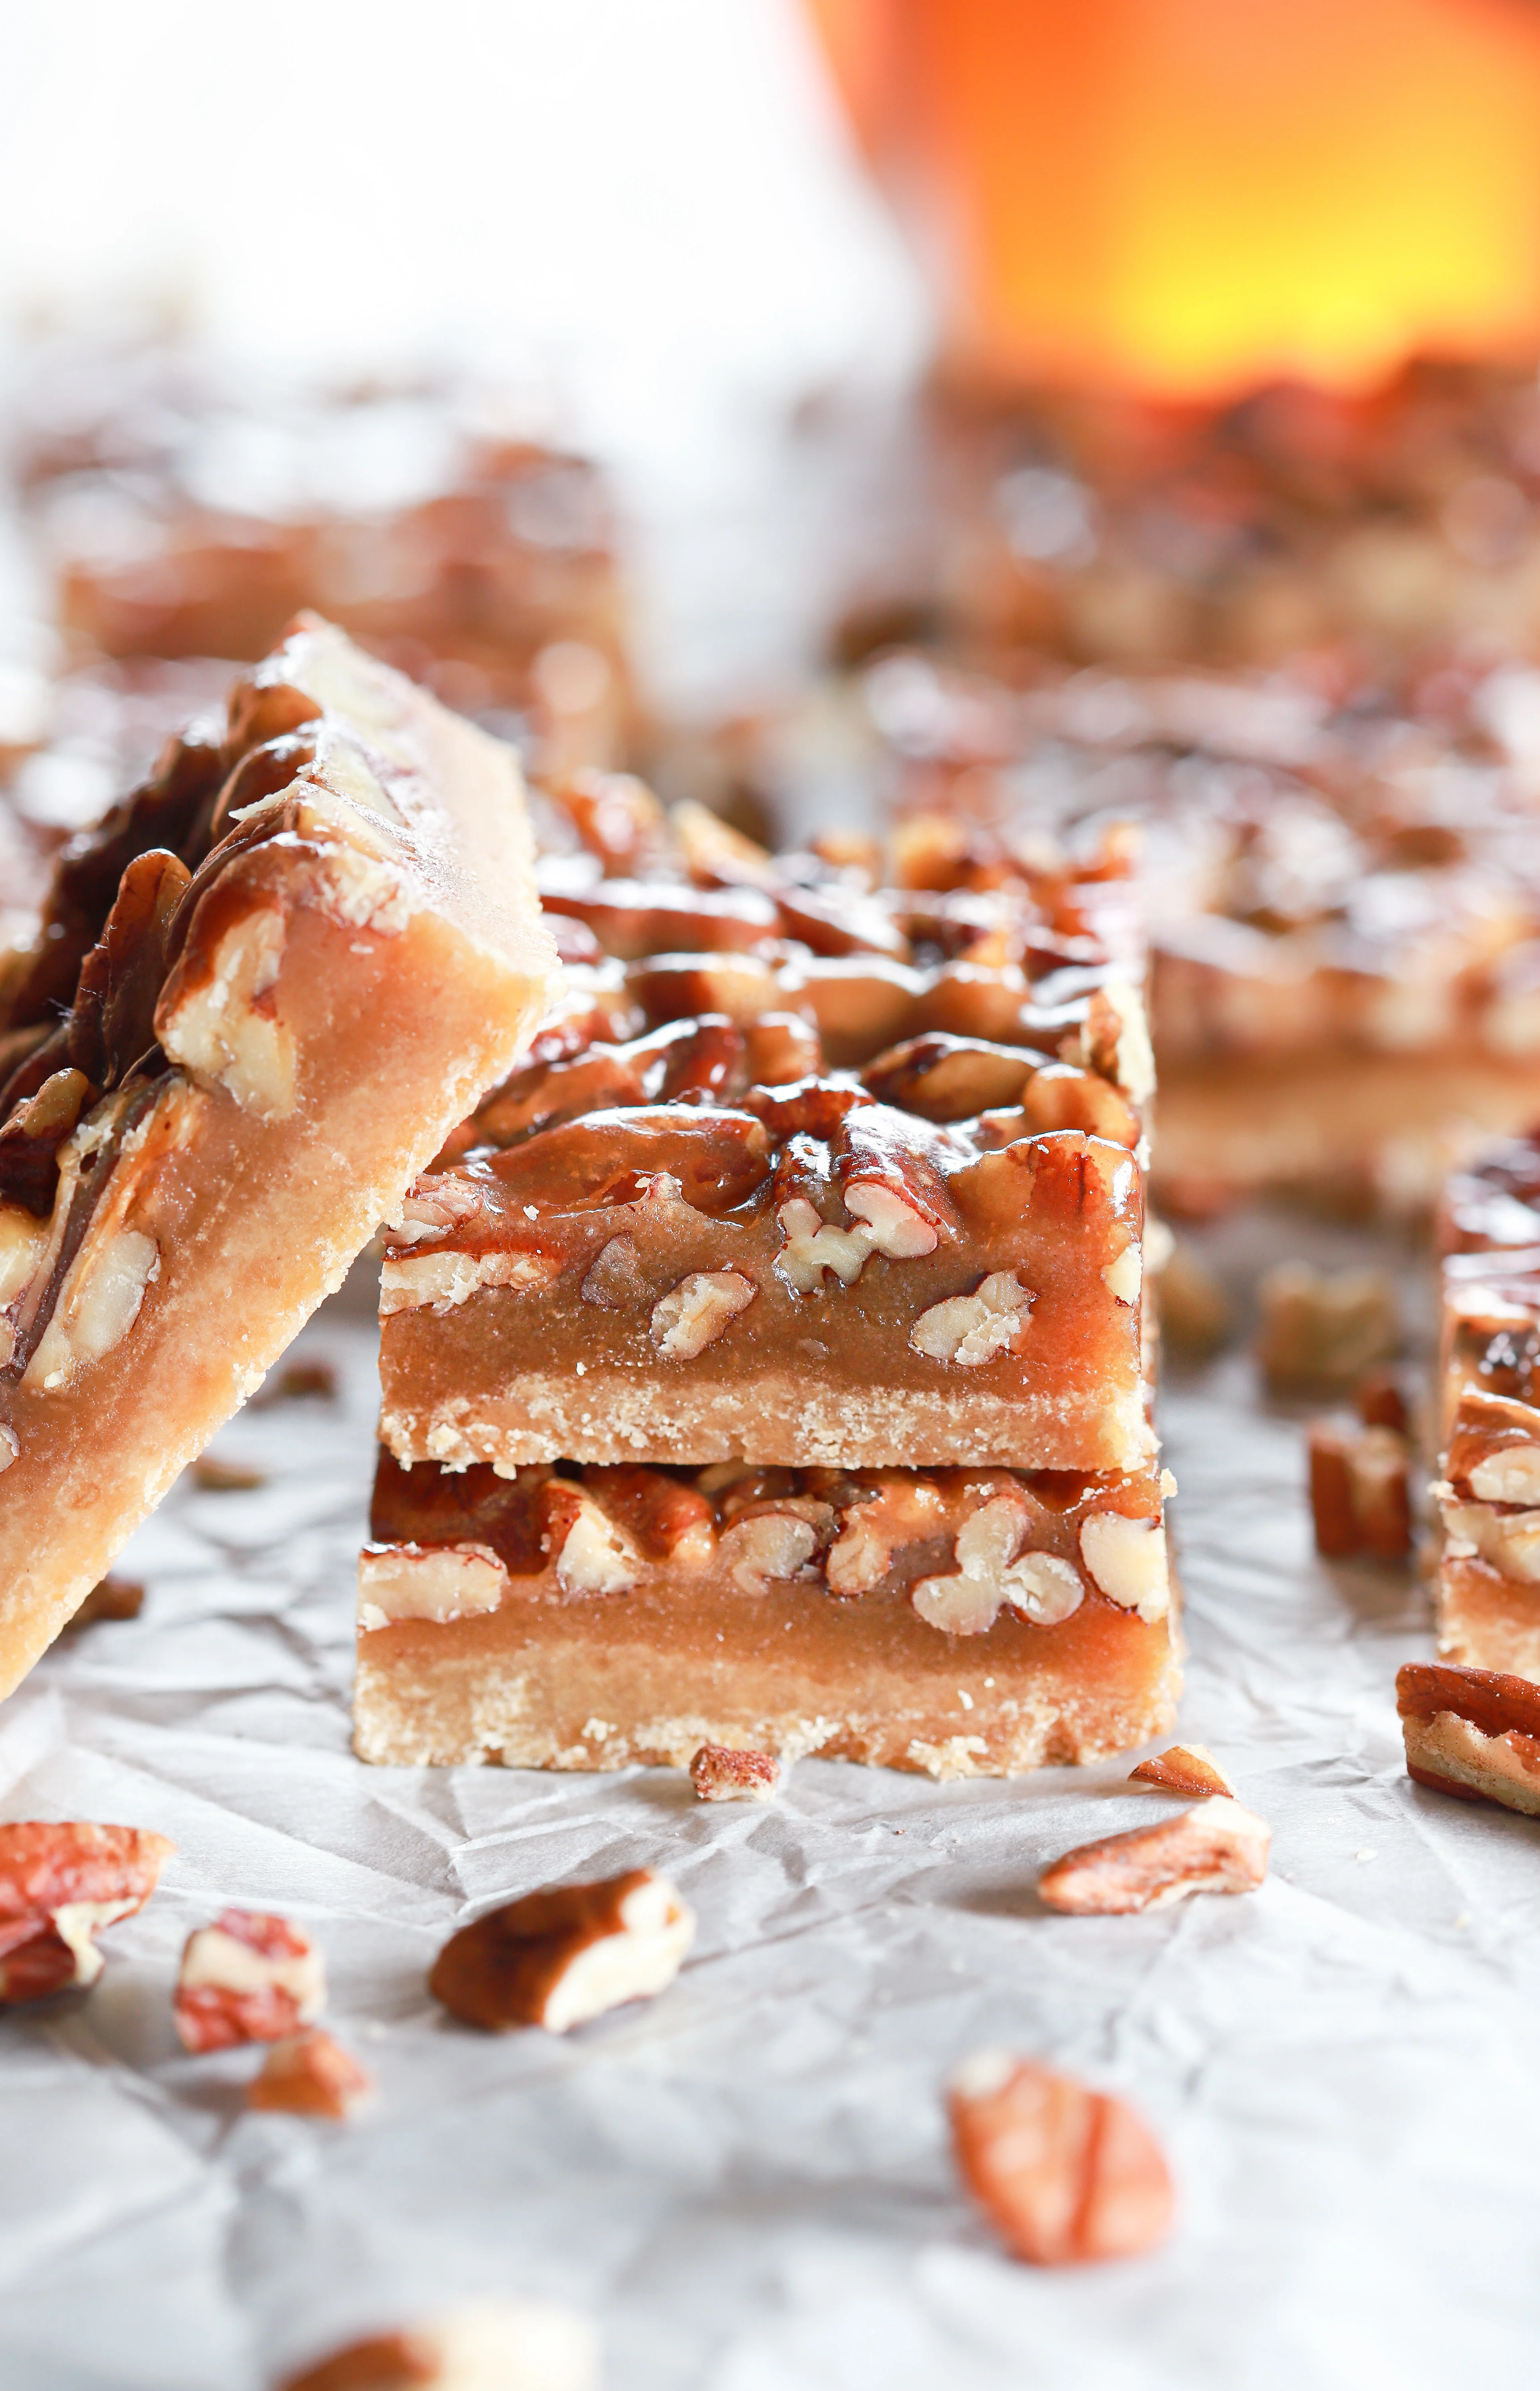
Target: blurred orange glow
point(1191, 196)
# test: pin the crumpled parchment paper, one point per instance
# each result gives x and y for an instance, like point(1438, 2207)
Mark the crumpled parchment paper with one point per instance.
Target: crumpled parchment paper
point(747, 2182)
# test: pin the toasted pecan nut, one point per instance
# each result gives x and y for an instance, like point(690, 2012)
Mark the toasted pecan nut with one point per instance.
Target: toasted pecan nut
point(693, 1315)
point(310, 2075)
point(1214, 1847)
point(1379, 1401)
point(1063, 2174)
point(615, 815)
point(779, 1048)
point(493, 2345)
point(59, 1884)
point(720, 1774)
point(1196, 1312)
point(1185, 1768)
point(1474, 1733)
point(994, 1571)
point(1494, 1449)
point(945, 1079)
point(717, 1157)
point(1062, 1096)
point(1359, 1490)
point(559, 1957)
point(248, 1977)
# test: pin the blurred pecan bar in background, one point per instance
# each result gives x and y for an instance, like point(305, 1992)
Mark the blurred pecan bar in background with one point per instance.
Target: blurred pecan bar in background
point(823, 1162)
point(953, 1620)
point(1342, 881)
point(181, 509)
point(328, 897)
point(1488, 1488)
point(1102, 528)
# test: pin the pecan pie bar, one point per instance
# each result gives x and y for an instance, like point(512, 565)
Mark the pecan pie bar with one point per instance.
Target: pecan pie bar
point(181, 513)
point(817, 1167)
point(1488, 1490)
point(1342, 880)
point(328, 897)
point(952, 1621)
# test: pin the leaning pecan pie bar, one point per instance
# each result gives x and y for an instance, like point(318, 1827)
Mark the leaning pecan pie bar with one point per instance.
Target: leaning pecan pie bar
point(954, 1621)
point(328, 896)
point(809, 1170)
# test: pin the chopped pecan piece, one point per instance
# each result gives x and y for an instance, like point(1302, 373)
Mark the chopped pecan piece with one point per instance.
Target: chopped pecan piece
point(1127, 1559)
point(1359, 1490)
point(296, 1382)
point(593, 1554)
point(111, 1598)
point(59, 1884)
point(213, 1476)
point(311, 2075)
point(989, 1574)
point(493, 2345)
point(559, 1957)
point(1474, 1733)
point(693, 1315)
point(1196, 1312)
point(974, 1328)
point(1063, 2174)
point(1214, 1847)
point(248, 1977)
point(720, 1774)
point(1185, 1768)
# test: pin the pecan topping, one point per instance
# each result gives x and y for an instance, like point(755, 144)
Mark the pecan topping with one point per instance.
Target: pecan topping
point(717, 1157)
point(1214, 1847)
point(1494, 1449)
point(1127, 1559)
point(591, 1553)
point(559, 1957)
point(1064, 2175)
point(946, 1079)
point(720, 1774)
point(247, 1978)
point(59, 1884)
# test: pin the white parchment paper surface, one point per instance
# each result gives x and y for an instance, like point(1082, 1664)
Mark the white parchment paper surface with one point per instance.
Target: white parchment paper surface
point(747, 2182)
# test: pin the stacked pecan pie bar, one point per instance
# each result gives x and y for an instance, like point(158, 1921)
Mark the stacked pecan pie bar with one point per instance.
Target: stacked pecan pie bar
point(763, 1362)
point(1488, 1491)
point(326, 894)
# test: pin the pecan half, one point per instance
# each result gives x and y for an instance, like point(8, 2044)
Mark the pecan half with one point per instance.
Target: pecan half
point(1185, 1768)
point(1474, 1733)
point(310, 2075)
point(718, 1156)
point(248, 1977)
point(1494, 1449)
point(59, 1884)
point(1063, 2174)
point(493, 2345)
point(946, 1079)
point(1214, 1847)
point(720, 1774)
point(559, 1957)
